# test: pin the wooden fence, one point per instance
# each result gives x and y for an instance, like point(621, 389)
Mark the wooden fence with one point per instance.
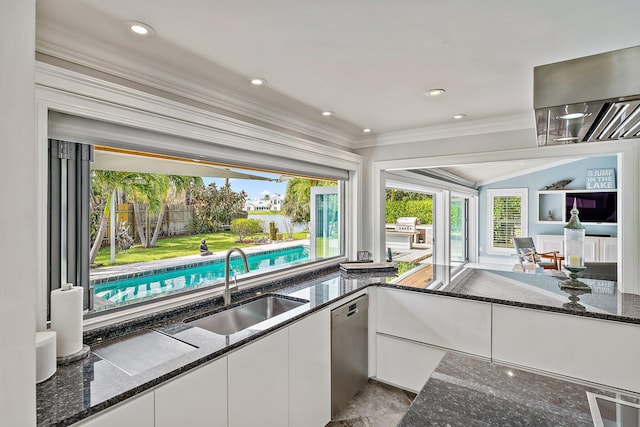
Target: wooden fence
point(176, 220)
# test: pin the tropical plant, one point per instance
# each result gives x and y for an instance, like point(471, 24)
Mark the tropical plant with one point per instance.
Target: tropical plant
point(180, 184)
point(244, 227)
point(215, 207)
point(402, 203)
point(297, 201)
point(105, 185)
point(147, 191)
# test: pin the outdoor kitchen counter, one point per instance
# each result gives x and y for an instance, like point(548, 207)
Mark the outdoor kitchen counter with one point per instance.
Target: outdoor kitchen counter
point(468, 391)
point(86, 387)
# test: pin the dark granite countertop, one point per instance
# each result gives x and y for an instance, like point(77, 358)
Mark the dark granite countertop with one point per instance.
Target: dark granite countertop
point(468, 391)
point(88, 386)
point(538, 291)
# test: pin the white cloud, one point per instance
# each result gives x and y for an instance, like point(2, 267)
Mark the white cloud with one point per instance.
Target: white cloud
point(265, 193)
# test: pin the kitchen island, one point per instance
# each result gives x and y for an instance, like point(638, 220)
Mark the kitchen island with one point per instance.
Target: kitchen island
point(468, 391)
point(542, 291)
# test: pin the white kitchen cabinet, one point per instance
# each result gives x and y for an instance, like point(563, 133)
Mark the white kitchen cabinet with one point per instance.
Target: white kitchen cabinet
point(452, 323)
point(595, 350)
point(608, 249)
point(197, 398)
point(596, 249)
point(549, 243)
point(258, 383)
point(310, 371)
point(405, 364)
point(135, 412)
point(591, 249)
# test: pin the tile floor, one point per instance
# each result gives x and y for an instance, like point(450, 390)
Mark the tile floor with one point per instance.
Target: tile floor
point(376, 405)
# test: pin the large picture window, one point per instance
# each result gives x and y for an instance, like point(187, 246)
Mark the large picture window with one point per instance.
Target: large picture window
point(507, 218)
point(161, 225)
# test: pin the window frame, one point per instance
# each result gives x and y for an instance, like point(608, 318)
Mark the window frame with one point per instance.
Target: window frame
point(200, 133)
point(245, 281)
point(492, 193)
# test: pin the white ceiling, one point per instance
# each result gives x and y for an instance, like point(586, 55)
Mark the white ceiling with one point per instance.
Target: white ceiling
point(489, 172)
point(369, 61)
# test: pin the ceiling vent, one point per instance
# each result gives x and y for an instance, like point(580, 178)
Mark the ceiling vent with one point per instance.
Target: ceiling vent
point(590, 99)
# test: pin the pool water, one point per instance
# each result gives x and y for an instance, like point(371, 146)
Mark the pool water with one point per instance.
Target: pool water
point(126, 290)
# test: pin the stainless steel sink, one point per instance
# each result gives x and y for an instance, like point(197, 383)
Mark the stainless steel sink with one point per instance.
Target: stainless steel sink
point(241, 317)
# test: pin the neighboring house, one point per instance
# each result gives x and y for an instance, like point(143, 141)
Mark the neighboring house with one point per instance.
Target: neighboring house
point(257, 205)
point(274, 203)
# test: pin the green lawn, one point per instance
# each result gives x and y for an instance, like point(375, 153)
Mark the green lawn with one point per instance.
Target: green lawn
point(265, 212)
point(404, 266)
point(173, 247)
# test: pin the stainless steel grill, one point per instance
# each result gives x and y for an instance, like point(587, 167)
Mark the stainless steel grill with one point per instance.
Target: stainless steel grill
point(407, 224)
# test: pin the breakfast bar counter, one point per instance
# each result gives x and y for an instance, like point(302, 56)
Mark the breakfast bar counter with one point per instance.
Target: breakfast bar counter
point(469, 391)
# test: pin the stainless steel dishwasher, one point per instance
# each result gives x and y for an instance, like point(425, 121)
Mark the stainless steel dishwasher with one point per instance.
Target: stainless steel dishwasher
point(349, 351)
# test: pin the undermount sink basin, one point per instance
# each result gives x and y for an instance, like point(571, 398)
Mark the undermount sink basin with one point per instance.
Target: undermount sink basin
point(241, 317)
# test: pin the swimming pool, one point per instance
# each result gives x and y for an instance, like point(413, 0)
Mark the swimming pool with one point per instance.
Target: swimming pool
point(137, 288)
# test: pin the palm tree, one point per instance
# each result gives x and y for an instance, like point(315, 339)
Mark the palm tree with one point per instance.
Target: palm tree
point(147, 190)
point(108, 183)
point(297, 199)
point(179, 183)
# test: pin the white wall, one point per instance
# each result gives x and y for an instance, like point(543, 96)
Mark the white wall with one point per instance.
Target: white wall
point(18, 215)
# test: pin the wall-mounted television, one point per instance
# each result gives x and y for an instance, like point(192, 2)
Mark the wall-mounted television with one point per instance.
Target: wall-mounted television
point(593, 207)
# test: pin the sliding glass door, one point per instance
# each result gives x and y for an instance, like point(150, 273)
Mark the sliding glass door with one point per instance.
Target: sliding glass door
point(324, 227)
point(459, 229)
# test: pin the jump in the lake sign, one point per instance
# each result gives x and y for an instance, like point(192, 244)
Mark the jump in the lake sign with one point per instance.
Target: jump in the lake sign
point(601, 179)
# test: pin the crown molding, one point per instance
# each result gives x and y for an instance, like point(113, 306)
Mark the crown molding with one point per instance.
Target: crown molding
point(83, 51)
point(93, 98)
point(451, 130)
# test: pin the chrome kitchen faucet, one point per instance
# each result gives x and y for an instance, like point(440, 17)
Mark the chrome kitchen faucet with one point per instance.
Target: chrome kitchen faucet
point(227, 268)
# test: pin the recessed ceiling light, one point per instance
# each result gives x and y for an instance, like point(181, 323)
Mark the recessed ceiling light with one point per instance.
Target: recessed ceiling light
point(459, 116)
point(258, 81)
point(366, 130)
point(571, 116)
point(435, 92)
point(328, 113)
point(140, 28)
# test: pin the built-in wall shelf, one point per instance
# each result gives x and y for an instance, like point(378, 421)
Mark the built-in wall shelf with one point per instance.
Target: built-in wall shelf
point(553, 207)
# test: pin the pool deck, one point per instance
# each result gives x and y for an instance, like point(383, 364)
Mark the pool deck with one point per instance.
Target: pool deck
point(139, 267)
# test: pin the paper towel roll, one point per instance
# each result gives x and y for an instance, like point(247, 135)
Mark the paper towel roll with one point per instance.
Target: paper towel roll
point(66, 319)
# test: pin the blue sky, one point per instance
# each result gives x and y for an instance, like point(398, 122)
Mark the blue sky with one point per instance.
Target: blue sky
point(254, 188)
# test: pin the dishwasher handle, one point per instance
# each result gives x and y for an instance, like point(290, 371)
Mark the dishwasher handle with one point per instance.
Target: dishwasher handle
point(355, 308)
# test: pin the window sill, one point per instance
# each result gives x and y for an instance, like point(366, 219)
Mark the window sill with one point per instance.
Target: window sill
point(109, 317)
